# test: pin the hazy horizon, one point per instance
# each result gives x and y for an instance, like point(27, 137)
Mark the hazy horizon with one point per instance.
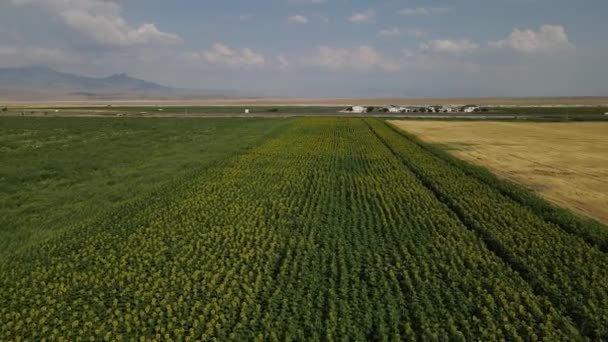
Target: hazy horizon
point(320, 48)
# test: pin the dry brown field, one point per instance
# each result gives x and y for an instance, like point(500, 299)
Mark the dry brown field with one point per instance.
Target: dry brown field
point(566, 163)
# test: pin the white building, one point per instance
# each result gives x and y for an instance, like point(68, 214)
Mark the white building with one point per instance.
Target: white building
point(359, 109)
point(396, 109)
point(470, 108)
point(355, 109)
point(393, 109)
point(449, 109)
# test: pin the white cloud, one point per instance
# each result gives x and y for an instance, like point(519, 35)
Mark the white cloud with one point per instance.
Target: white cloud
point(360, 58)
point(549, 38)
point(222, 55)
point(424, 11)
point(365, 58)
point(298, 19)
point(363, 17)
point(450, 46)
point(102, 21)
point(392, 32)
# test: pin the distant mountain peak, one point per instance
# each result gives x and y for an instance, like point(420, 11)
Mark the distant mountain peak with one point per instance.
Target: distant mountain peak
point(44, 78)
point(39, 81)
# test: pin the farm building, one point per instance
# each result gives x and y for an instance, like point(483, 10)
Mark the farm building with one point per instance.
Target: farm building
point(355, 109)
point(359, 109)
point(396, 109)
point(433, 109)
point(470, 108)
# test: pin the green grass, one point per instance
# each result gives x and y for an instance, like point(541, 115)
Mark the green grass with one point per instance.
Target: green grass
point(308, 229)
point(54, 172)
point(186, 109)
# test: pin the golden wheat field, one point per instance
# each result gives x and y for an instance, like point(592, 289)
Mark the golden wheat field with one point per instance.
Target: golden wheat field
point(565, 162)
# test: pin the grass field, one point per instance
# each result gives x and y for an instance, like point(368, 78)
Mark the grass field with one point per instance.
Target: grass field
point(56, 172)
point(519, 113)
point(290, 229)
point(167, 111)
point(565, 162)
point(184, 110)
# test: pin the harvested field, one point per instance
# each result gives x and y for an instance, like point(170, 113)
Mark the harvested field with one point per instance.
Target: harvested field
point(565, 162)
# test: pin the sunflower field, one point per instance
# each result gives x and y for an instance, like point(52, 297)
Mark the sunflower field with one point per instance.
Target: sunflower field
point(327, 229)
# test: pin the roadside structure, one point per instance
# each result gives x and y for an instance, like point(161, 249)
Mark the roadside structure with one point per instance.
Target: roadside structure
point(396, 109)
point(449, 109)
point(470, 108)
point(355, 109)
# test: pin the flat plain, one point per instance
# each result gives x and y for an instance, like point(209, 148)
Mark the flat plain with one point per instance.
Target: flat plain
point(279, 229)
point(564, 162)
point(323, 102)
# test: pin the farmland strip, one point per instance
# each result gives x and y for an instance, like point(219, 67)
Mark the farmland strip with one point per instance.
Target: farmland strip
point(591, 231)
point(318, 233)
point(573, 273)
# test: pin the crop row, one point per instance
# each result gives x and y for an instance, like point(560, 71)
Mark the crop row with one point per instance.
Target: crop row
point(569, 270)
point(590, 230)
point(319, 233)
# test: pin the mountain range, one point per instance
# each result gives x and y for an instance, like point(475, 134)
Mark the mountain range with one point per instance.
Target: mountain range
point(43, 83)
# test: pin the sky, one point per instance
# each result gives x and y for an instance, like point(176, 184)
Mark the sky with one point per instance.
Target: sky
point(321, 48)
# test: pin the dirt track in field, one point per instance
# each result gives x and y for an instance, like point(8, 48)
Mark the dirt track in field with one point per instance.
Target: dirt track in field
point(565, 162)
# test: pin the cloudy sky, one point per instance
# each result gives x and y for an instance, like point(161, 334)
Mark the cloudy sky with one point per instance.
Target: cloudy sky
point(330, 48)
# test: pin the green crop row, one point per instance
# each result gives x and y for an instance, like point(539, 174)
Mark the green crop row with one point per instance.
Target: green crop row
point(55, 172)
point(590, 230)
point(569, 270)
point(328, 230)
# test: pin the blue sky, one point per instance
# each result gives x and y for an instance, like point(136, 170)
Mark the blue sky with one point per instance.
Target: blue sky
point(329, 48)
